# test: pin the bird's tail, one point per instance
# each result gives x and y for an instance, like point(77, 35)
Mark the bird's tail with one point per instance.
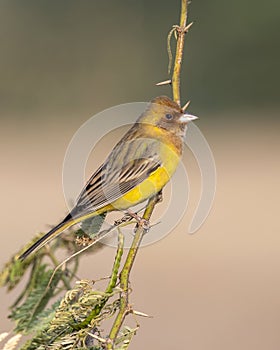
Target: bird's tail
point(54, 232)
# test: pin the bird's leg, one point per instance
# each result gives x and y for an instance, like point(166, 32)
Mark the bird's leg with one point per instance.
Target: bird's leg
point(140, 221)
point(159, 196)
point(127, 217)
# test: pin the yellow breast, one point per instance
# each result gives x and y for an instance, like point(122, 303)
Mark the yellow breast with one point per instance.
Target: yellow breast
point(170, 157)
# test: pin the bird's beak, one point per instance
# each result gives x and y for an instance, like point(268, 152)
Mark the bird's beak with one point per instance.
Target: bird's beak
point(185, 118)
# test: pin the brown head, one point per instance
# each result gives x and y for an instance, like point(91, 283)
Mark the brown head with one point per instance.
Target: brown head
point(166, 114)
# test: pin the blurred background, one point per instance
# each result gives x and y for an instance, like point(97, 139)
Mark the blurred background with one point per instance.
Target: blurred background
point(63, 61)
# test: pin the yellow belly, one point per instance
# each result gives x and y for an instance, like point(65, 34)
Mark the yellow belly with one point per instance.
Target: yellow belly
point(154, 183)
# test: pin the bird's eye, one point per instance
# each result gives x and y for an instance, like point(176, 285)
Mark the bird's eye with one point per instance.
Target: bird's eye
point(168, 116)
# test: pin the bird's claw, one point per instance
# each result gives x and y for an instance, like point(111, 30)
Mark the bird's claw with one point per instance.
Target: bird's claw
point(145, 224)
point(125, 218)
point(159, 196)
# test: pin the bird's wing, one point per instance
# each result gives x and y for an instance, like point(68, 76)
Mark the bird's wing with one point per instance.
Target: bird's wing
point(127, 166)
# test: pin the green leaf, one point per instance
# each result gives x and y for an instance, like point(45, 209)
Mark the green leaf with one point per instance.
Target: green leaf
point(93, 225)
point(14, 269)
point(27, 314)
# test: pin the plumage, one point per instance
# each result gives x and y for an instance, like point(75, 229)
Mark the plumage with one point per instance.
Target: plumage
point(138, 167)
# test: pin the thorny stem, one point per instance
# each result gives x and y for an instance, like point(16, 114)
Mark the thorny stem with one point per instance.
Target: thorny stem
point(181, 31)
point(124, 275)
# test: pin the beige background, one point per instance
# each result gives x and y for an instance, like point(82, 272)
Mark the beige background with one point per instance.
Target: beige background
point(60, 64)
point(218, 288)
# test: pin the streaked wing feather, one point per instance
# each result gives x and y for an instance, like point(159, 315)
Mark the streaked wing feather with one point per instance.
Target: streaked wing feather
point(113, 179)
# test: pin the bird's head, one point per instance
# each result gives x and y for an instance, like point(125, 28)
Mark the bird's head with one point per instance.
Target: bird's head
point(166, 114)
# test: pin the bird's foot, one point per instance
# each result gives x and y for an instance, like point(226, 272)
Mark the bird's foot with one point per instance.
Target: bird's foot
point(159, 196)
point(126, 218)
point(145, 224)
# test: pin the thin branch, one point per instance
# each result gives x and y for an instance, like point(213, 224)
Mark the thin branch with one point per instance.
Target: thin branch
point(181, 31)
point(111, 285)
point(63, 277)
point(124, 276)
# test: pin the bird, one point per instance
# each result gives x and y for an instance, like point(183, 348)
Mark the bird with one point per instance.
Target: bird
point(138, 167)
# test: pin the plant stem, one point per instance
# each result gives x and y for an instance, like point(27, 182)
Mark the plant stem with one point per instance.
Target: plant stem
point(181, 31)
point(63, 277)
point(111, 285)
point(124, 276)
